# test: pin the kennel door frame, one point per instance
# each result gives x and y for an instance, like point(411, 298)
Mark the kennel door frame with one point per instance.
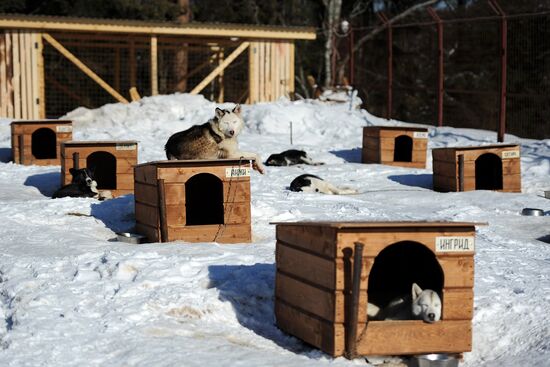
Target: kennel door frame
point(446, 172)
point(124, 151)
point(311, 286)
point(379, 145)
point(24, 129)
point(174, 174)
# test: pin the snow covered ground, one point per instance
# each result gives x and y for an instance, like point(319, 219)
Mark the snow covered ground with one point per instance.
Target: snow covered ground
point(72, 296)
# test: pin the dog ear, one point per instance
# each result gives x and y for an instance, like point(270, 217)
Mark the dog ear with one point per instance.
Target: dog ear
point(219, 113)
point(72, 171)
point(237, 109)
point(416, 290)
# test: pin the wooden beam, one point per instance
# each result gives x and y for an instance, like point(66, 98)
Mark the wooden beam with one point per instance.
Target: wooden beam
point(28, 102)
point(35, 95)
point(9, 73)
point(16, 75)
point(86, 70)
point(41, 73)
point(154, 67)
point(3, 78)
point(220, 67)
point(221, 94)
point(190, 29)
point(134, 94)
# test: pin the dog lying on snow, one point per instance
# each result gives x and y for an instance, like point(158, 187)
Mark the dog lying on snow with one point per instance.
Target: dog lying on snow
point(82, 185)
point(312, 183)
point(290, 158)
point(215, 139)
point(420, 305)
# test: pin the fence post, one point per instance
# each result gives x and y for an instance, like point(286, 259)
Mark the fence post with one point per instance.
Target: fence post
point(503, 66)
point(384, 19)
point(440, 71)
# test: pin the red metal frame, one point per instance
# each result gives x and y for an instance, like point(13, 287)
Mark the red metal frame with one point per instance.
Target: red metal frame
point(503, 67)
point(440, 64)
point(384, 19)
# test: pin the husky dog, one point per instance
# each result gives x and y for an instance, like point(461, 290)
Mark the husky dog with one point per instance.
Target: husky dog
point(216, 139)
point(312, 183)
point(420, 305)
point(289, 158)
point(82, 185)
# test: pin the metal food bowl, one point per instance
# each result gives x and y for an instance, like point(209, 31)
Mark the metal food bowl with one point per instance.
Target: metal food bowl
point(436, 360)
point(532, 211)
point(130, 237)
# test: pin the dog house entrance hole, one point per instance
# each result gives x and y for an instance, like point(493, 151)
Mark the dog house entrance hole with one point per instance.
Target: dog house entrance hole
point(402, 150)
point(488, 172)
point(400, 265)
point(43, 144)
point(204, 200)
point(103, 167)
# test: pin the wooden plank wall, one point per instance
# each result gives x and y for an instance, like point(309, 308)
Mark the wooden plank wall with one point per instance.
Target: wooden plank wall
point(271, 70)
point(21, 75)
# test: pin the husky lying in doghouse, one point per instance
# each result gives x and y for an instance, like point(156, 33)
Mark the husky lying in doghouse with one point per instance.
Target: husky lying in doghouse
point(82, 185)
point(215, 139)
point(420, 305)
point(289, 158)
point(312, 183)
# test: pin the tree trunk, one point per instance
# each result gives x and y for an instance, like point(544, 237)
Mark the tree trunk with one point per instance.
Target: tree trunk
point(181, 59)
point(333, 10)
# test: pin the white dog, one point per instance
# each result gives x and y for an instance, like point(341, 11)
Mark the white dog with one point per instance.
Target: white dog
point(420, 305)
point(216, 139)
point(312, 183)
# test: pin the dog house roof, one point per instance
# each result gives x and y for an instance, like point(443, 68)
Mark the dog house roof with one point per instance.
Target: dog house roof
point(198, 162)
point(404, 128)
point(96, 143)
point(34, 122)
point(359, 224)
point(494, 146)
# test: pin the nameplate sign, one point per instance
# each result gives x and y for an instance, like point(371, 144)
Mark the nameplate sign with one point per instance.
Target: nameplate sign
point(237, 172)
point(507, 154)
point(120, 146)
point(64, 128)
point(420, 135)
point(454, 244)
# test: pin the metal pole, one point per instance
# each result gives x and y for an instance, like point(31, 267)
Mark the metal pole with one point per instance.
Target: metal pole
point(461, 172)
point(21, 149)
point(440, 70)
point(384, 19)
point(76, 160)
point(351, 327)
point(351, 57)
point(503, 67)
point(162, 210)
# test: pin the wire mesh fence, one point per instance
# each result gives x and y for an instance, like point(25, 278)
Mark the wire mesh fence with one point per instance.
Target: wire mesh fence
point(125, 62)
point(402, 82)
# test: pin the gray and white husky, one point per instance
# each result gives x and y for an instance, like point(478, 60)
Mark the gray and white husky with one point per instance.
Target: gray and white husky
point(312, 183)
point(420, 305)
point(215, 139)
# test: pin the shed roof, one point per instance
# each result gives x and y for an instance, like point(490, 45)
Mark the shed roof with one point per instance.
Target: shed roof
point(87, 25)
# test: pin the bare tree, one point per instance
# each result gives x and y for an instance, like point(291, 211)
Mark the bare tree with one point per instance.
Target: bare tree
point(333, 8)
point(369, 36)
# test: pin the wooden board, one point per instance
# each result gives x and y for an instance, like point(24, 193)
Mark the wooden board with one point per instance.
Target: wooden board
point(236, 233)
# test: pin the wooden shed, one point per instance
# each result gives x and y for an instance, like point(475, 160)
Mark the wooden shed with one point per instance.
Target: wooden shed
point(38, 141)
point(395, 145)
point(489, 167)
point(320, 269)
point(51, 65)
point(111, 162)
point(194, 200)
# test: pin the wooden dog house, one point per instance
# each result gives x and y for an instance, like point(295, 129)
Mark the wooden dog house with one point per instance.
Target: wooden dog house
point(316, 285)
point(395, 146)
point(111, 162)
point(38, 141)
point(490, 167)
point(193, 200)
